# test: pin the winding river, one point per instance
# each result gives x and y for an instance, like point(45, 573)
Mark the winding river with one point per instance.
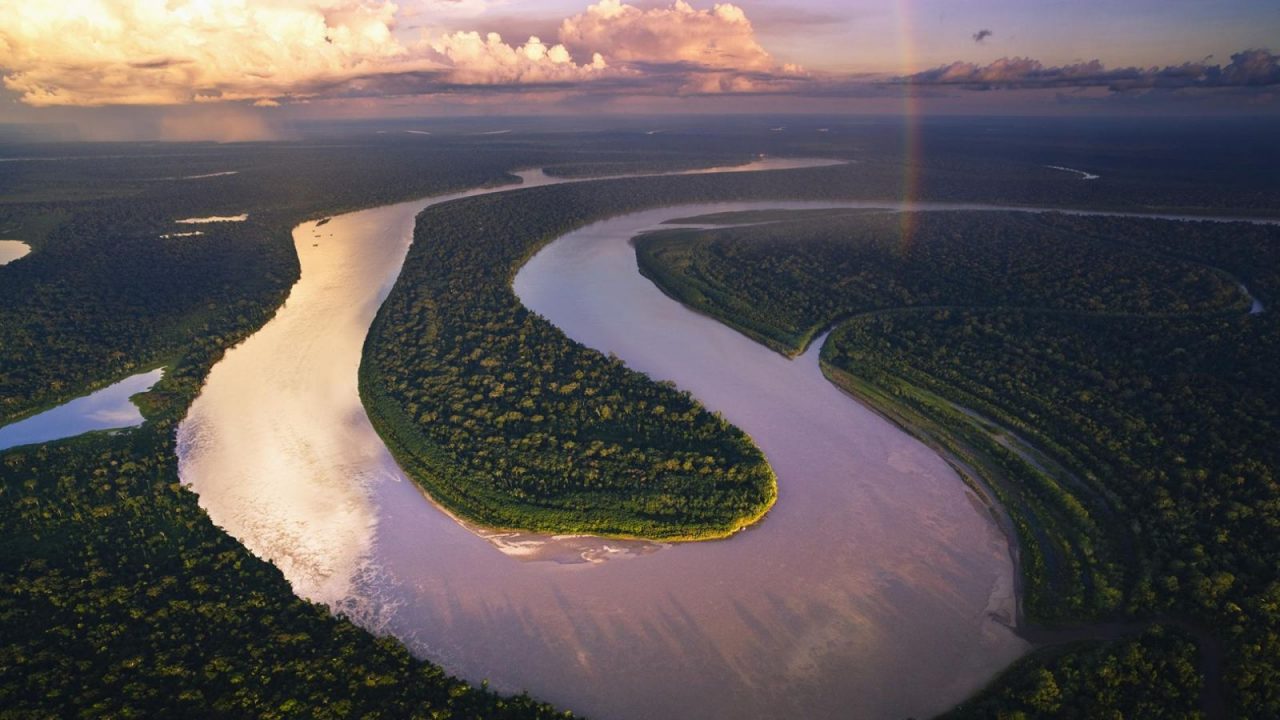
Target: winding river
point(877, 587)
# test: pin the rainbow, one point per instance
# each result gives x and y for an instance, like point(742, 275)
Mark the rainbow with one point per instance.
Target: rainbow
point(911, 114)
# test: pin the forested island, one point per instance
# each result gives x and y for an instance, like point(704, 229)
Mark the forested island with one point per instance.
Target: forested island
point(1104, 377)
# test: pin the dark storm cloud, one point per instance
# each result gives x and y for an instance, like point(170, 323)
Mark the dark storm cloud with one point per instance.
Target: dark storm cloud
point(1253, 67)
point(1248, 68)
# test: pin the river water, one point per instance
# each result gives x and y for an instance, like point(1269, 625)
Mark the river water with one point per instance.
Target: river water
point(876, 587)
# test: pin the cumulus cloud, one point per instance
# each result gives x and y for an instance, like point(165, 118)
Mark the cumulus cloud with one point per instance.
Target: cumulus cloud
point(173, 52)
point(714, 50)
point(489, 60)
point(151, 52)
point(1249, 68)
point(269, 53)
point(721, 37)
point(1255, 68)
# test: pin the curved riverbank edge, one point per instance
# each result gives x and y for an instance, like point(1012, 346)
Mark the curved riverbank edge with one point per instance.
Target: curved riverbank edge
point(860, 496)
point(425, 463)
point(1044, 637)
point(292, 471)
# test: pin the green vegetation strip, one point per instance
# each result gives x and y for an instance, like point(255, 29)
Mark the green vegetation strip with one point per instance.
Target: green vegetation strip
point(782, 283)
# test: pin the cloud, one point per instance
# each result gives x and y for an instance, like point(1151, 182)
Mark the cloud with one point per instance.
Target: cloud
point(1249, 68)
point(1252, 68)
point(488, 60)
point(147, 52)
point(714, 50)
point(270, 53)
point(177, 52)
point(721, 37)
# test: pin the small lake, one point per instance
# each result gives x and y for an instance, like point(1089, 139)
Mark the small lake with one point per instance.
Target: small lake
point(106, 409)
point(11, 250)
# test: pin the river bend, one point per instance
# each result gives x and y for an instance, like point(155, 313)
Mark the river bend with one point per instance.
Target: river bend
point(877, 586)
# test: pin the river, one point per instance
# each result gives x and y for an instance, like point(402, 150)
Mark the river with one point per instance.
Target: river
point(877, 587)
point(277, 444)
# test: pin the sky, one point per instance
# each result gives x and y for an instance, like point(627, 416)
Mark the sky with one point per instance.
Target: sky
point(168, 67)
